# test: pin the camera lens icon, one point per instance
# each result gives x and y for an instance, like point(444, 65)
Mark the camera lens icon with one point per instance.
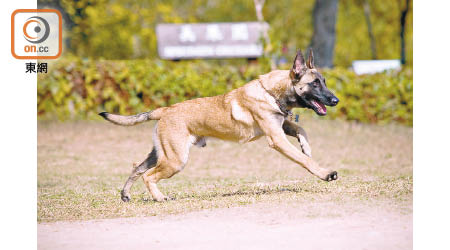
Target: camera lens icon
point(39, 33)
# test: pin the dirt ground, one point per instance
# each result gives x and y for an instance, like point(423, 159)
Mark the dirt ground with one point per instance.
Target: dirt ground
point(248, 227)
point(229, 196)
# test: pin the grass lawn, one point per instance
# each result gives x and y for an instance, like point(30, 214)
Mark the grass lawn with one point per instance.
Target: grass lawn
point(83, 165)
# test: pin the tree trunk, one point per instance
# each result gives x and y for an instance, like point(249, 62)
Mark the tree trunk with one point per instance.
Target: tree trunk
point(373, 46)
point(259, 4)
point(402, 32)
point(324, 20)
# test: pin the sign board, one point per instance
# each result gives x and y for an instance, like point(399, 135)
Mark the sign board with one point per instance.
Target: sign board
point(374, 66)
point(210, 40)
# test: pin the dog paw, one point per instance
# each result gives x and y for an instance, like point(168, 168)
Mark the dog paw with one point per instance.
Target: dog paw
point(164, 198)
point(332, 176)
point(125, 197)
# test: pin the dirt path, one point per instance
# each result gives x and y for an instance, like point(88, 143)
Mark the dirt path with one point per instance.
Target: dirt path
point(283, 226)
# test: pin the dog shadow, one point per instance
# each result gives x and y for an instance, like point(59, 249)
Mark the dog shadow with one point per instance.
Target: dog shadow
point(240, 192)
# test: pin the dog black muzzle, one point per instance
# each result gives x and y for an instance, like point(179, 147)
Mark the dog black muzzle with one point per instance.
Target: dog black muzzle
point(334, 101)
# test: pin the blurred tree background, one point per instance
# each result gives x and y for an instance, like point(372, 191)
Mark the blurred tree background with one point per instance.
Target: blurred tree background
point(99, 34)
point(125, 29)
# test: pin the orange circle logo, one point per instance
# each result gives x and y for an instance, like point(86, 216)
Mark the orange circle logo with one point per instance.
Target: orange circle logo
point(42, 29)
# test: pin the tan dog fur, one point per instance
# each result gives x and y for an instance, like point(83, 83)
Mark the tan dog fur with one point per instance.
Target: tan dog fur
point(242, 115)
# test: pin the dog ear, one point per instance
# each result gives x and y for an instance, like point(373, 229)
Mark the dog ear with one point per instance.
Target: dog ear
point(310, 62)
point(299, 67)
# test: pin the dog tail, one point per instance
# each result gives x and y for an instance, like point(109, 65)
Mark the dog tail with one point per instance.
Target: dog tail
point(131, 120)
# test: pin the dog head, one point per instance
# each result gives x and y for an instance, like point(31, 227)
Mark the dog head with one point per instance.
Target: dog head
point(309, 85)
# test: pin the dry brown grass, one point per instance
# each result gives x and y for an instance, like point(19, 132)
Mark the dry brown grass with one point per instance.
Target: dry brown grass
point(83, 165)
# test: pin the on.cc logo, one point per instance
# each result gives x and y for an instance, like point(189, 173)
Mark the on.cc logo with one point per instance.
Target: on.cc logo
point(36, 34)
point(42, 24)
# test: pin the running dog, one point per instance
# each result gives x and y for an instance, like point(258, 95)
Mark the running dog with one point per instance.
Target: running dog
point(259, 108)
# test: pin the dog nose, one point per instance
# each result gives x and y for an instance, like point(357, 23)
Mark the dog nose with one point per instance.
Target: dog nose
point(334, 100)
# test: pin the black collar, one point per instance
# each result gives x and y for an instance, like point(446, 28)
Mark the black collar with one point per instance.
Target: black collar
point(283, 107)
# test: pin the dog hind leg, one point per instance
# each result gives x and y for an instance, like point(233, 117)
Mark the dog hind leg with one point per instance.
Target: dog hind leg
point(174, 150)
point(152, 177)
point(148, 163)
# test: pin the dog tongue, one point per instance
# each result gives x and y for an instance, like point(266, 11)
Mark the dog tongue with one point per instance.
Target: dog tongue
point(321, 107)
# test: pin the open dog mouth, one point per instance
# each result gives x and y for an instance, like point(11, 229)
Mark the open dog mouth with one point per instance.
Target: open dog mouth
point(311, 102)
point(319, 107)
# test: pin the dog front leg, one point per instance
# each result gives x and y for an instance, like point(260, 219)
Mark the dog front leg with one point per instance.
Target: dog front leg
point(277, 140)
point(292, 129)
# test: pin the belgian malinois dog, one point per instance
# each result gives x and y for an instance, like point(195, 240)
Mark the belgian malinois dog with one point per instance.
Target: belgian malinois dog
point(259, 108)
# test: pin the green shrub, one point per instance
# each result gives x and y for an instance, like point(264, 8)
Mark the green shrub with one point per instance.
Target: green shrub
point(77, 88)
point(377, 98)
